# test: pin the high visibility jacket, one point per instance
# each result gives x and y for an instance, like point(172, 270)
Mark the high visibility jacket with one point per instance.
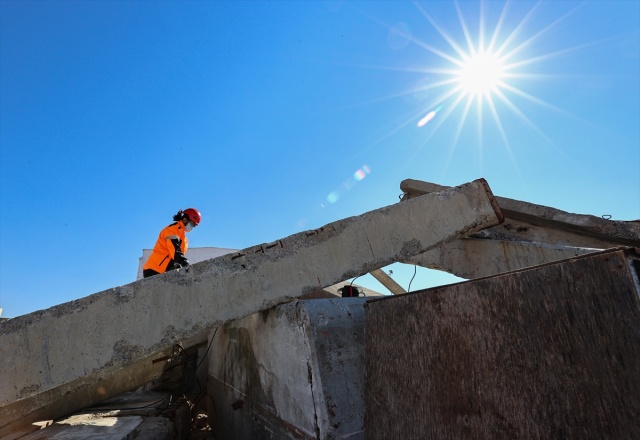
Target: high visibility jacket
point(171, 247)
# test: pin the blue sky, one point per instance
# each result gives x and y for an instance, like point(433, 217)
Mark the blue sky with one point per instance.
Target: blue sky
point(273, 117)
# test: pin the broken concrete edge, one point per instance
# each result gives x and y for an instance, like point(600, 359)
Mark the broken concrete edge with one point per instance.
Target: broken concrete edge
point(114, 426)
point(88, 390)
point(472, 258)
point(493, 200)
point(295, 370)
point(625, 233)
point(188, 302)
point(630, 253)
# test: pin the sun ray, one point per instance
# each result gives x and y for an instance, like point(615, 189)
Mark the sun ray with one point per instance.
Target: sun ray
point(543, 31)
point(481, 24)
point(558, 53)
point(498, 28)
point(514, 108)
point(432, 49)
point(535, 100)
point(513, 34)
point(409, 37)
point(465, 29)
point(441, 120)
point(534, 127)
point(457, 134)
point(476, 84)
point(409, 120)
point(503, 135)
point(443, 34)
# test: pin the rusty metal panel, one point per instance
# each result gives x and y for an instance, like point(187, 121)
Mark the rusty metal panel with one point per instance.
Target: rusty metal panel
point(545, 353)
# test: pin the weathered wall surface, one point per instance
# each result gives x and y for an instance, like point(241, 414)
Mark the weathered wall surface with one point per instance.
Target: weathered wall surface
point(529, 222)
point(101, 345)
point(531, 235)
point(294, 371)
point(546, 353)
point(472, 258)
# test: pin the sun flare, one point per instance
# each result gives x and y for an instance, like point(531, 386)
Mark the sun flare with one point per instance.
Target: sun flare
point(480, 74)
point(479, 77)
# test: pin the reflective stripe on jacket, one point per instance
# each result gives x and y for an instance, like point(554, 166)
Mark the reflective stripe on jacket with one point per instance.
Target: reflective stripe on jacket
point(165, 251)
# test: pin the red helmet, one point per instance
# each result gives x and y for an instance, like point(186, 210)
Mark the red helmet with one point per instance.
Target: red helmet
point(193, 215)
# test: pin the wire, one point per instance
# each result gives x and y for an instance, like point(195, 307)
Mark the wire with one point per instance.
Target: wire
point(206, 352)
point(415, 269)
point(175, 352)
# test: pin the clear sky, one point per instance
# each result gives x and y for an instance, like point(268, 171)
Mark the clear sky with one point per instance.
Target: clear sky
point(274, 117)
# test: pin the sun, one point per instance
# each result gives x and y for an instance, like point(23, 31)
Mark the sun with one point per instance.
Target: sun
point(480, 75)
point(481, 68)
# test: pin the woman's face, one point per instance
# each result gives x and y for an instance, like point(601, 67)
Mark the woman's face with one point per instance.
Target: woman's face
point(188, 225)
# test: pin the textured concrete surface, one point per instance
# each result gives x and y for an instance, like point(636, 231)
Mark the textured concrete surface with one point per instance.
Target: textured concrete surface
point(472, 258)
point(88, 426)
point(530, 235)
point(549, 352)
point(70, 356)
point(293, 371)
point(132, 415)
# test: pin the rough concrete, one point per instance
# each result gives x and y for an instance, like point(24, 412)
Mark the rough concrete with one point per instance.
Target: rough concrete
point(530, 235)
point(472, 258)
point(127, 416)
point(88, 426)
point(549, 352)
point(115, 336)
point(83, 392)
point(293, 371)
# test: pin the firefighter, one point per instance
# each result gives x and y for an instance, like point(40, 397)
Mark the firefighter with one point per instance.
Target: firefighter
point(171, 247)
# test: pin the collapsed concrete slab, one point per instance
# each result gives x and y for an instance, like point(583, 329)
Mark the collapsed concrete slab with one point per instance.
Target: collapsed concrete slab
point(530, 235)
point(140, 416)
point(472, 258)
point(293, 371)
point(112, 341)
point(546, 352)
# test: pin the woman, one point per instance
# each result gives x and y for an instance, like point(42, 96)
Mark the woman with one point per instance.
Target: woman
point(171, 247)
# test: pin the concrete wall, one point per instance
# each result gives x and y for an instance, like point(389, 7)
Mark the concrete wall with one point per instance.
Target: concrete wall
point(293, 371)
point(546, 353)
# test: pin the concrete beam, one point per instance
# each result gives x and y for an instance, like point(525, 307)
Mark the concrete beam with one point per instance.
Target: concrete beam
point(542, 224)
point(388, 282)
point(70, 347)
point(472, 258)
point(530, 235)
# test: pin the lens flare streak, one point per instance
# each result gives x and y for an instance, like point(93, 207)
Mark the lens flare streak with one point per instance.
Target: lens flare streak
point(432, 114)
point(348, 184)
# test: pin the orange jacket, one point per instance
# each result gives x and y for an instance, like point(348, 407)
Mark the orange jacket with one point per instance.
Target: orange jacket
point(171, 247)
